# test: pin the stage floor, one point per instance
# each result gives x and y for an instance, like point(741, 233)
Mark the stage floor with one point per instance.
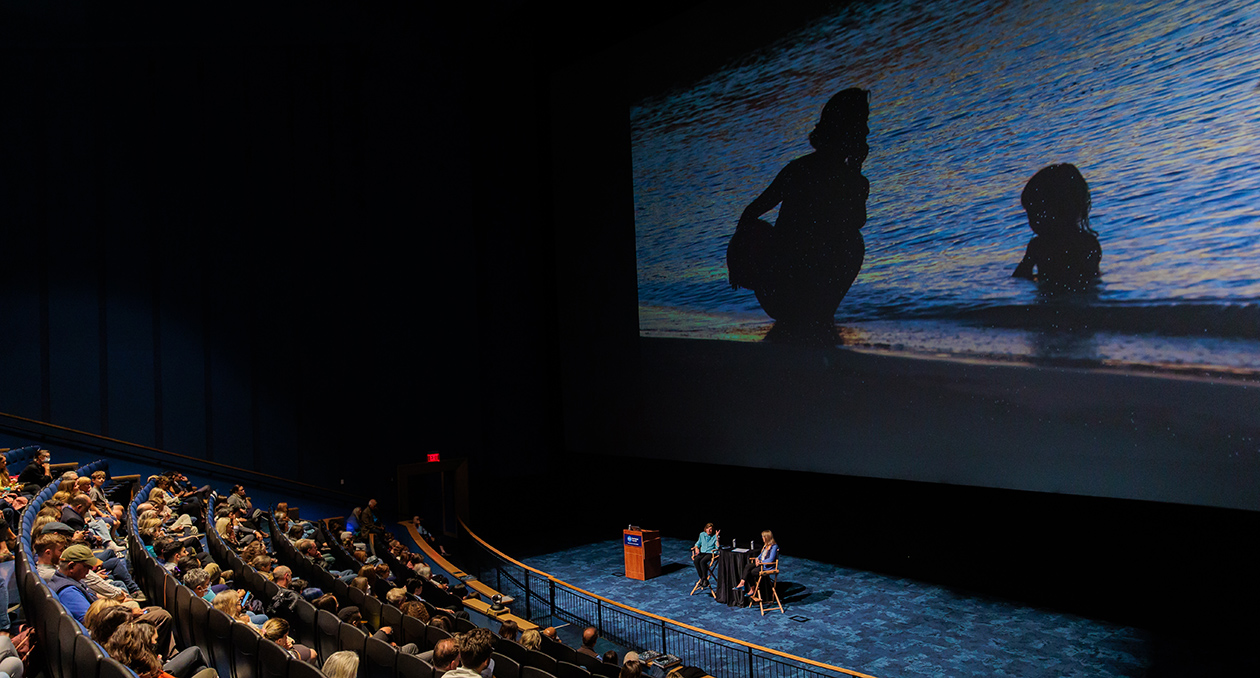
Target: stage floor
point(875, 624)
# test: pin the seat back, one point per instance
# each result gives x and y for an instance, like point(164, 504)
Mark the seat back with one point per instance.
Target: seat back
point(392, 617)
point(415, 631)
point(433, 634)
point(304, 630)
point(586, 661)
point(199, 620)
point(244, 651)
point(298, 669)
point(273, 660)
point(351, 638)
point(87, 657)
point(505, 666)
point(327, 631)
point(410, 666)
point(380, 659)
point(541, 661)
point(181, 617)
point(370, 608)
point(534, 672)
point(218, 639)
point(608, 670)
point(513, 650)
point(571, 670)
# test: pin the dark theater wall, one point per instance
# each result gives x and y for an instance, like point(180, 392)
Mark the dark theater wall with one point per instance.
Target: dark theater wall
point(271, 238)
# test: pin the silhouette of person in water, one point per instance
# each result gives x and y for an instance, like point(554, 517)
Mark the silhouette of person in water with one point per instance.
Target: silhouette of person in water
point(801, 267)
point(1065, 252)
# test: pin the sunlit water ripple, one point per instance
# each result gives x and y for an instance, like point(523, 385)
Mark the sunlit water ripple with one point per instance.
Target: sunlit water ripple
point(1157, 103)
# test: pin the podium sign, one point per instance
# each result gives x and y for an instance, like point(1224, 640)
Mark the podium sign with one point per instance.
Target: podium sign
point(643, 553)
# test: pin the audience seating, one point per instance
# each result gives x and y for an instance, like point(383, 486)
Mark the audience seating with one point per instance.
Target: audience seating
point(506, 667)
point(380, 659)
point(413, 667)
point(570, 670)
point(245, 651)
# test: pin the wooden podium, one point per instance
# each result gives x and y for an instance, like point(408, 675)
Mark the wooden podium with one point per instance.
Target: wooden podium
point(643, 553)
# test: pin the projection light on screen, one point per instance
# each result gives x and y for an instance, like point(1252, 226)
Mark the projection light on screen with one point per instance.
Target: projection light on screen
point(1153, 107)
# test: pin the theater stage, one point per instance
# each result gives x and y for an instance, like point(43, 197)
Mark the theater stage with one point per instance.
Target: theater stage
point(871, 623)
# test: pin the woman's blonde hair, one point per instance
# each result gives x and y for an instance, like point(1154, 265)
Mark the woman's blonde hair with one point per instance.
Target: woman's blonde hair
point(275, 629)
point(767, 537)
point(344, 664)
point(227, 602)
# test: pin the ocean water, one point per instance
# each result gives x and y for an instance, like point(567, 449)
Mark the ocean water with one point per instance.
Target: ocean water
point(1157, 103)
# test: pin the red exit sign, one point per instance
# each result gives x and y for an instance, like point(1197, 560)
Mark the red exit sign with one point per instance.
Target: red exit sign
point(435, 456)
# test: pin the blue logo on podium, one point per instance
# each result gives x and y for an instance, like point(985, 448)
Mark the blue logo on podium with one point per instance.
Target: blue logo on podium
point(634, 540)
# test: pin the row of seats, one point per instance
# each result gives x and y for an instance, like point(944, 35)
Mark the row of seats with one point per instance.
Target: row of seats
point(233, 648)
point(511, 659)
point(67, 648)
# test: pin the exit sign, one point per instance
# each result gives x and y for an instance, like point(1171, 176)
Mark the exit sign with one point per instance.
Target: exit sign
point(435, 456)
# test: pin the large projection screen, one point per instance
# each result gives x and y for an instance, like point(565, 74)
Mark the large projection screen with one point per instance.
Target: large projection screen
point(941, 365)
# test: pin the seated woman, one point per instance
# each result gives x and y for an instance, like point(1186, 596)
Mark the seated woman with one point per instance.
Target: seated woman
point(769, 554)
point(277, 631)
point(229, 602)
point(132, 646)
point(1065, 250)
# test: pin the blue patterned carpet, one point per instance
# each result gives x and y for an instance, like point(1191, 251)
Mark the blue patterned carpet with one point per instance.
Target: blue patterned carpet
point(871, 623)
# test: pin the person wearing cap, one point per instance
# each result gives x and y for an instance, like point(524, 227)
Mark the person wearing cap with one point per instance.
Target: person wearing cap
point(114, 566)
point(76, 561)
point(67, 584)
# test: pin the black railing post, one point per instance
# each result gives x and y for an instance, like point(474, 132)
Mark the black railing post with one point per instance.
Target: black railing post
point(599, 615)
point(528, 615)
point(750, 663)
point(664, 648)
point(552, 601)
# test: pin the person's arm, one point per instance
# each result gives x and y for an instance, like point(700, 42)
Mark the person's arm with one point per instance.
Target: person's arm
point(1025, 267)
point(773, 195)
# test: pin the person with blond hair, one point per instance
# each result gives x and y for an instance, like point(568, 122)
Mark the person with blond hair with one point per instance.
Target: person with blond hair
point(344, 664)
point(763, 561)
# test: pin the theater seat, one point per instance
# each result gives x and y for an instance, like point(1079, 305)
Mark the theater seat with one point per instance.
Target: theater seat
point(569, 670)
point(379, 659)
point(304, 628)
point(110, 668)
point(370, 608)
point(244, 651)
point(415, 631)
point(433, 634)
point(606, 670)
point(351, 638)
point(299, 669)
point(413, 667)
point(199, 621)
point(532, 672)
point(506, 667)
point(510, 649)
point(540, 661)
point(327, 633)
point(87, 657)
point(273, 660)
point(393, 618)
point(219, 641)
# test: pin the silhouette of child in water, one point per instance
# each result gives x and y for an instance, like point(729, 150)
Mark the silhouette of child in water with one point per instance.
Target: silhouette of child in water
point(1065, 251)
point(801, 267)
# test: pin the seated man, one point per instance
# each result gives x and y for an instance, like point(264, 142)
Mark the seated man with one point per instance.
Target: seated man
point(475, 650)
point(67, 584)
point(704, 551)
